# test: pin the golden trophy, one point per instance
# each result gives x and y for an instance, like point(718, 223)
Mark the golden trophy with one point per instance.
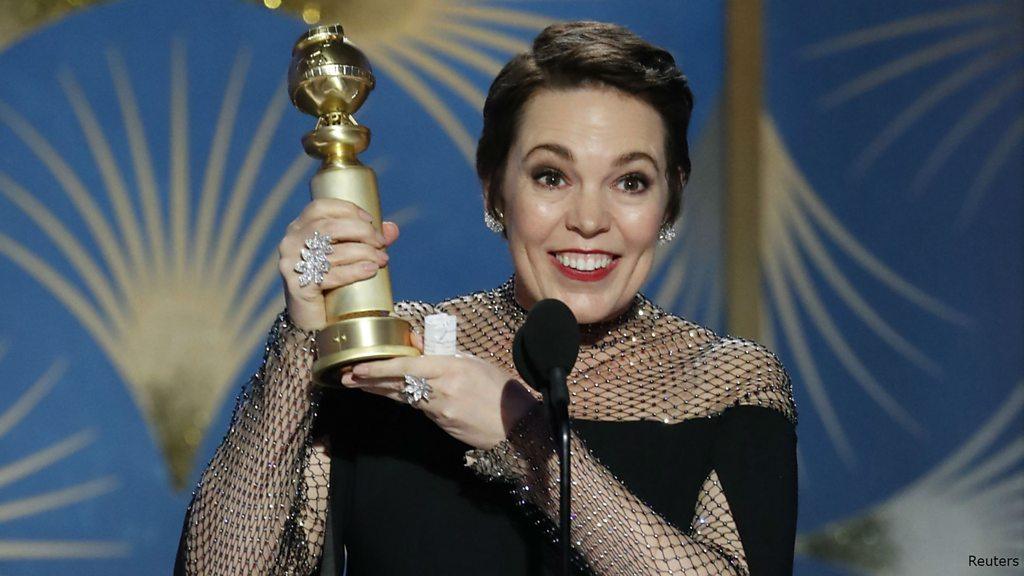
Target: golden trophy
point(330, 78)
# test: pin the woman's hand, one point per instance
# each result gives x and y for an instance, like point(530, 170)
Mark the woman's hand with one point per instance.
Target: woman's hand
point(473, 401)
point(358, 253)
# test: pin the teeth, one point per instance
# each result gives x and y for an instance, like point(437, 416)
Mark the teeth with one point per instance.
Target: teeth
point(583, 262)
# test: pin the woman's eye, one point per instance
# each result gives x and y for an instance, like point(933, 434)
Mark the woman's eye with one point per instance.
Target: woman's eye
point(633, 183)
point(549, 178)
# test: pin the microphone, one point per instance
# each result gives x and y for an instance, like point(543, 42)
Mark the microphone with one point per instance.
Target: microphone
point(544, 352)
point(524, 366)
point(548, 341)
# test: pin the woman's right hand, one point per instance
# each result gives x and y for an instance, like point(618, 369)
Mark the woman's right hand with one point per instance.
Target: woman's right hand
point(358, 254)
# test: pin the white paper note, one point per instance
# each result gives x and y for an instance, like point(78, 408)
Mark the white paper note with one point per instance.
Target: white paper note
point(440, 331)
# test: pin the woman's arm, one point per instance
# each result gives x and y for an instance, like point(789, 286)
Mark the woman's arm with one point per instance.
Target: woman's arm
point(614, 532)
point(750, 505)
point(261, 504)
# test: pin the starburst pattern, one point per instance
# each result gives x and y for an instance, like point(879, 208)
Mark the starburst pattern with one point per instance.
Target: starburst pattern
point(981, 44)
point(968, 504)
point(178, 299)
point(798, 228)
point(25, 467)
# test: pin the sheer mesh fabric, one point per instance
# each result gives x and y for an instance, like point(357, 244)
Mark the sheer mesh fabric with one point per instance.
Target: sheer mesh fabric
point(645, 365)
point(261, 504)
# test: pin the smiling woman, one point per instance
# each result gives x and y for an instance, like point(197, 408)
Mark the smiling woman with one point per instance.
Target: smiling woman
point(584, 198)
point(684, 444)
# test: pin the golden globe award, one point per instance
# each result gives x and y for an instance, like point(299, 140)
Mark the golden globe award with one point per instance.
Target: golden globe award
point(330, 78)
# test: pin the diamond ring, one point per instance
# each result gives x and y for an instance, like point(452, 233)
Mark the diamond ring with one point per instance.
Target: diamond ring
point(416, 389)
point(314, 264)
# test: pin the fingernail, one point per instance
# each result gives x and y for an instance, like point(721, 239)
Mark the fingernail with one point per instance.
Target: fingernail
point(360, 370)
point(365, 215)
point(347, 379)
point(383, 255)
point(380, 238)
point(370, 266)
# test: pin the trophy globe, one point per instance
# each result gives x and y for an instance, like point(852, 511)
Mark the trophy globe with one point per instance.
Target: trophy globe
point(330, 78)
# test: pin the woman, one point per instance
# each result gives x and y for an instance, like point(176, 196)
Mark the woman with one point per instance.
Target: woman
point(684, 442)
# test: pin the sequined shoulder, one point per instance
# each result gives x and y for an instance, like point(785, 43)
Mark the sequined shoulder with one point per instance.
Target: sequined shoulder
point(716, 372)
point(749, 374)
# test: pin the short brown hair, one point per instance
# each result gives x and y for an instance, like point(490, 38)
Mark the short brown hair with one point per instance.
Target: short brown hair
point(580, 54)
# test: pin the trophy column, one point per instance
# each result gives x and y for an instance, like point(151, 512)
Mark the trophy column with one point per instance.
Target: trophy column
point(330, 78)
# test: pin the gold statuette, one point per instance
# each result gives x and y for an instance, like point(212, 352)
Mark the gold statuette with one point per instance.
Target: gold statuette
point(330, 78)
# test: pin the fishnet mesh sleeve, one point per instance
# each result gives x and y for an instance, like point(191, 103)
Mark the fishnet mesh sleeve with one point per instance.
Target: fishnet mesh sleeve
point(713, 519)
point(613, 531)
point(260, 506)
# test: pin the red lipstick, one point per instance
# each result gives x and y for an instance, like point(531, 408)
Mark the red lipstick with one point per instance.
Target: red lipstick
point(589, 275)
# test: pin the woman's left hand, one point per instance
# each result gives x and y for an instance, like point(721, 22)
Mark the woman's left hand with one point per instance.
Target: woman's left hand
point(473, 401)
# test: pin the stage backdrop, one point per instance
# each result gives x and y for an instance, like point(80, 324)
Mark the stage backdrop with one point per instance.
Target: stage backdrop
point(150, 159)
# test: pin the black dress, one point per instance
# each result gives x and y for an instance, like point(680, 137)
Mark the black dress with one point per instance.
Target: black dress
point(683, 463)
point(403, 503)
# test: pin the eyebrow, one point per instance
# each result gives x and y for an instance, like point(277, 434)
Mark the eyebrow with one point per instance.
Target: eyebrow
point(563, 152)
point(556, 149)
point(631, 156)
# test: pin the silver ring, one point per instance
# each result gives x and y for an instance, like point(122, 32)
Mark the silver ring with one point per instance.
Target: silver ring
point(313, 263)
point(416, 389)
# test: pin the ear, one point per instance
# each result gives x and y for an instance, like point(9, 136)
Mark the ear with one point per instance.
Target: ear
point(684, 179)
point(485, 186)
point(497, 210)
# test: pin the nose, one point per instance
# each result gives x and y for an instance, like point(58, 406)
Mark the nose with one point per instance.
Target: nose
point(588, 214)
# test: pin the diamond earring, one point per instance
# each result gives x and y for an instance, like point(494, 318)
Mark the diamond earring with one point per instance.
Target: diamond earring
point(666, 234)
point(492, 223)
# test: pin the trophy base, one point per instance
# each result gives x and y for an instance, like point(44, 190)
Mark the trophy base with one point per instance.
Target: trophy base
point(353, 340)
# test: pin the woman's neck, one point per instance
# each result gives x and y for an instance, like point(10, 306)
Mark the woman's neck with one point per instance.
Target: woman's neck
point(519, 299)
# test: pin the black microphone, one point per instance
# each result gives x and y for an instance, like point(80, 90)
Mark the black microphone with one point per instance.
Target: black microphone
point(544, 352)
point(549, 340)
point(524, 366)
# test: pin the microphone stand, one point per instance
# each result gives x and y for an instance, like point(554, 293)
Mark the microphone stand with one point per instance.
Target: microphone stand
point(558, 410)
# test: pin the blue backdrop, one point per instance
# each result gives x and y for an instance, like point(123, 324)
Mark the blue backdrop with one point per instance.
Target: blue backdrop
point(149, 161)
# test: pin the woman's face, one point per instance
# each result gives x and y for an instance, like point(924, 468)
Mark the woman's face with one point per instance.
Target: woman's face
point(584, 195)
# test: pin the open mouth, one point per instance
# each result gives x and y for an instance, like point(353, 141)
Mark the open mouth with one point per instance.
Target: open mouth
point(588, 266)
